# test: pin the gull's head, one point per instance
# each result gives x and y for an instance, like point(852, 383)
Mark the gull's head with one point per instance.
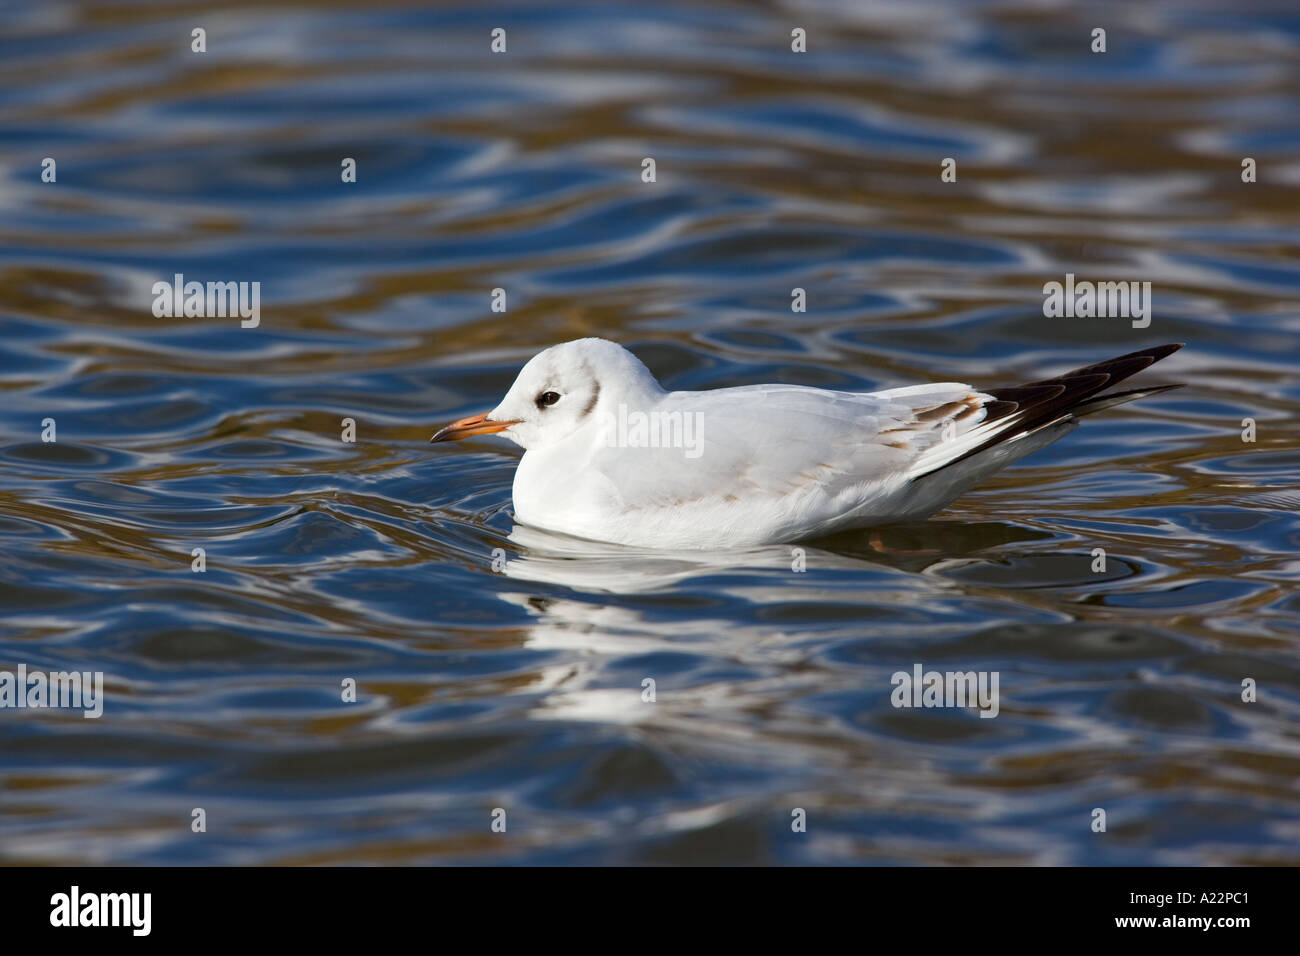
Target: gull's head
point(560, 391)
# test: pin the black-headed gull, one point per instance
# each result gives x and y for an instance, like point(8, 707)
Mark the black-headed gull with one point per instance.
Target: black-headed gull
point(611, 456)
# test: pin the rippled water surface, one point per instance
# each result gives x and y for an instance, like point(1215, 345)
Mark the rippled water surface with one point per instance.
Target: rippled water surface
point(520, 687)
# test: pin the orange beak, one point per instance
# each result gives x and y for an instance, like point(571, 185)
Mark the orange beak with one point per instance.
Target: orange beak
point(469, 427)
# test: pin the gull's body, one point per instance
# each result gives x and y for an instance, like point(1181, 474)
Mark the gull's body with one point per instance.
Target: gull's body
point(762, 464)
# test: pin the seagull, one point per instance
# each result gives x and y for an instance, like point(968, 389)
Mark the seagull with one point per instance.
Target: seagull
point(611, 456)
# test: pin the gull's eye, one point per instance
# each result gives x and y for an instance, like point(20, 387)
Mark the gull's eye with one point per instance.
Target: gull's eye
point(547, 398)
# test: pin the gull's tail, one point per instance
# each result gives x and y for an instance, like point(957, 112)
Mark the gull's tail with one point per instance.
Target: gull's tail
point(1015, 413)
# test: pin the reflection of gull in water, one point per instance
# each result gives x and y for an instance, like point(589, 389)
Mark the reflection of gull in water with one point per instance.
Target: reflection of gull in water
point(727, 606)
point(925, 551)
point(594, 633)
point(553, 558)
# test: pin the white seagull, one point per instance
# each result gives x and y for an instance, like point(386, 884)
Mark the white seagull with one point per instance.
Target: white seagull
point(611, 456)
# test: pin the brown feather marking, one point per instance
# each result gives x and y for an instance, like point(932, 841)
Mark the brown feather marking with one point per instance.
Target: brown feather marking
point(937, 412)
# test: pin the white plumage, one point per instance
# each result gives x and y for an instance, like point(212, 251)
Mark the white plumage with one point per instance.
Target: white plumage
point(611, 456)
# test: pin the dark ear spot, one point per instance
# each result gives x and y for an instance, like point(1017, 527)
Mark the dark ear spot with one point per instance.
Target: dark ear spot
point(595, 395)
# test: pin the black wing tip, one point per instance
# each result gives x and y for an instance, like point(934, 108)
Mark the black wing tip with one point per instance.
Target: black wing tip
point(1034, 405)
point(1048, 398)
point(1122, 366)
point(1158, 352)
